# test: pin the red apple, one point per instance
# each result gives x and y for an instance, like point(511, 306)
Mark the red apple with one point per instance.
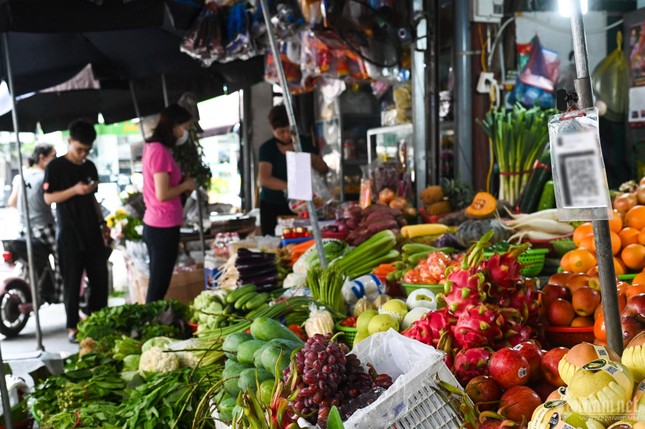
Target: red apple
point(484, 392)
point(509, 368)
point(533, 355)
point(543, 388)
point(631, 327)
point(636, 307)
point(549, 365)
point(552, 292)
point(518, 403)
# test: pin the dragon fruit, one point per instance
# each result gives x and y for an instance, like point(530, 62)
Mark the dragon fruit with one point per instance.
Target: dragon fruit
point(431, 327)
point(502, 272)
point(513, 327)
point(478, 326)
point(470, 363)
point(464, 288)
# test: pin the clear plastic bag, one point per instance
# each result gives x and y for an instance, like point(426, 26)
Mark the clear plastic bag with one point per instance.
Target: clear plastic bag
point(203, 41)
point(611, 82)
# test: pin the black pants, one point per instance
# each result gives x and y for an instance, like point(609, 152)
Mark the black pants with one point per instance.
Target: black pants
point(72, 265)
point(269, 216)
point(163, 248)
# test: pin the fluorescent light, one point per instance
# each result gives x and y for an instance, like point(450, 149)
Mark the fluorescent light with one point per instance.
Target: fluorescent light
point(566, 7)
point(101, 119)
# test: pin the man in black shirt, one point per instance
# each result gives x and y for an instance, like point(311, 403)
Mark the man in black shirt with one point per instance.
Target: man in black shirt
point(70, 182)
point(273, 169)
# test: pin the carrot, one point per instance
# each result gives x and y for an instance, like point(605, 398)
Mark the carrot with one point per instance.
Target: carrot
point(299, 249)
point(384, 269)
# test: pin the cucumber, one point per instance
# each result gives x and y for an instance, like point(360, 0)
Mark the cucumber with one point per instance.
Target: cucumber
point(239, 304)
point(531, 193)
point(547, 199)
point(237, 293)
point(264, 328)
point(256, 301)
point(245, 350)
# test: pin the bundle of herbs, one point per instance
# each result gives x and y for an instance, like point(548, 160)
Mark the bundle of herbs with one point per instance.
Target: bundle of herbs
point(518, 136)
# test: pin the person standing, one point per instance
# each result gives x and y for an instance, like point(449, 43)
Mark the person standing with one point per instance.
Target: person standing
point(272, 168)
point(70, 182)
point(163, 185)
point(41, 217)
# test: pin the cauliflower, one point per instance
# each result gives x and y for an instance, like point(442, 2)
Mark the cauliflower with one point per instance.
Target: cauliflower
point(156, 360)
point(161, 342)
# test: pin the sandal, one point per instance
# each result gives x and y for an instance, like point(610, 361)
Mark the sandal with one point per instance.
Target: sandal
point(71, 337)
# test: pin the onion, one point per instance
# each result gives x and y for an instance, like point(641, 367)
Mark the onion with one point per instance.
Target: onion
point(624, 202)
point(640, 194)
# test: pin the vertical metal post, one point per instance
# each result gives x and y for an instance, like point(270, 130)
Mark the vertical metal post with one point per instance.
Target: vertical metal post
point(602, 237)
point(464, 93)
point(432, 94)
point(35, 297)
point(245, 151)
point(420, 130)
point(6, 404)
point(164, 89)
point(135, 103)
point(311, 207)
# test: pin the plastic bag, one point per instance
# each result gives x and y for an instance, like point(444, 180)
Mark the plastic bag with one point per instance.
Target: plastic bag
point(611, 82)
point(203, 41)
point(536, 82)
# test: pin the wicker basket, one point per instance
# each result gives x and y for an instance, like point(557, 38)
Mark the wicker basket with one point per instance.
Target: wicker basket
point(531, 259)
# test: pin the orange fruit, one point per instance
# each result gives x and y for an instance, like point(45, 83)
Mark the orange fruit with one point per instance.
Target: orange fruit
point(634, 290)
point(635, 217)
point(564, 261)
point(628, 235)
point(641, 236)
point(639, 279)
point(587, 242)
point(633, 256)
point(581, 260)
point(599, 330)
point(616, 224)
point(619, 267)
point(581, 231)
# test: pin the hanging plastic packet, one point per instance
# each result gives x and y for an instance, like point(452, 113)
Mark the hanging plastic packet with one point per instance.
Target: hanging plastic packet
point(578, 169)
point(203, 41)
point(239, 44)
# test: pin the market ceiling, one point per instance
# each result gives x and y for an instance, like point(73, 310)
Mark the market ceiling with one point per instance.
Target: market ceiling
point(51, 41)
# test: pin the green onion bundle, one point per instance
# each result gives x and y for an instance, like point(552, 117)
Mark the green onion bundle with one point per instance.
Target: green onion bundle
point(518, 137)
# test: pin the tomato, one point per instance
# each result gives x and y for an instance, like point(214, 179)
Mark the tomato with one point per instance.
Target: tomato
point(349, 322)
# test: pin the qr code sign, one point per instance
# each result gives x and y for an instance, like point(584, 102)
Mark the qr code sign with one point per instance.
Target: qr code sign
point(580, 170)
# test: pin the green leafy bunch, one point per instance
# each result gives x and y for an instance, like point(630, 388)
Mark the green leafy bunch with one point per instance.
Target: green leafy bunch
point(190, 157)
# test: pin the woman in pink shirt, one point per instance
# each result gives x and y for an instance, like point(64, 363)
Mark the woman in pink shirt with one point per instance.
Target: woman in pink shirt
point(163, 184)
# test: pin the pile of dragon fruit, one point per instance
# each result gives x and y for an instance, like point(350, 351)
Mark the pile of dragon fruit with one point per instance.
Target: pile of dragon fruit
point(489, 307)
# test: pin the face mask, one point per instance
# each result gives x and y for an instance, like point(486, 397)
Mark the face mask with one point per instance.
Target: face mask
point(183, 139)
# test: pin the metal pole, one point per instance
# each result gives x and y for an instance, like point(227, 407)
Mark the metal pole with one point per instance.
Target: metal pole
point(35, 298)
point(6, 405)
point(311, 207)
point(464, 93)
point(136, 110)
point(164, 88)
point(245, 150)
point(602, 237)
point(432, 95)
point(420, 130)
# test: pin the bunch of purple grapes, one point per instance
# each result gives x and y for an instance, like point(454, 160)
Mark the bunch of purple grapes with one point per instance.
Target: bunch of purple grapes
point(326, 376)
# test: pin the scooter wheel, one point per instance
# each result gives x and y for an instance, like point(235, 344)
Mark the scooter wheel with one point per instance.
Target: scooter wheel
point(12, 319)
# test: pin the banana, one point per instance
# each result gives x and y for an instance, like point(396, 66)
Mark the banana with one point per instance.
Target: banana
point(237, 293)
point(239, 304)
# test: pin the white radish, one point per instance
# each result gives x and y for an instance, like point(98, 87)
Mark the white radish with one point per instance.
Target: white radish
point(533, 235)
point(542, 214)
point(545, 225)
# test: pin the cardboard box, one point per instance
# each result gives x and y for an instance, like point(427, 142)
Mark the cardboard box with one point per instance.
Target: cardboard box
point(184, 286)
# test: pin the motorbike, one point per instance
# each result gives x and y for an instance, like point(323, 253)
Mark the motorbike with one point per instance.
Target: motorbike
point(16, 303)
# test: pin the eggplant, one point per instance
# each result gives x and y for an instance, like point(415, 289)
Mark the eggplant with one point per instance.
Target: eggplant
point(261, 279)
point(254, 265)
point(244, 274)
point(253, 257)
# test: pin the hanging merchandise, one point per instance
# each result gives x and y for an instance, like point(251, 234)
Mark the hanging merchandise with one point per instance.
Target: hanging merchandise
point(203, 41)
point(536, 81)
point(312, 12)
point(611, 83)
point(240, 44)
point(297, 84)
point(325, 55)
point(286, 17)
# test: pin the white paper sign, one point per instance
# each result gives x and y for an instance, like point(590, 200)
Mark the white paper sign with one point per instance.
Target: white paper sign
point(299, 176)
point(580, 173)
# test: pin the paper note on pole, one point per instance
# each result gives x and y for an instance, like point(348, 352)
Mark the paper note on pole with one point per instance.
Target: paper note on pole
point(299, 176)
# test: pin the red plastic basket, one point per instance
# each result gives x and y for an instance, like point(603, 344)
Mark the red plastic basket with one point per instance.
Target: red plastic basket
point(567, 336)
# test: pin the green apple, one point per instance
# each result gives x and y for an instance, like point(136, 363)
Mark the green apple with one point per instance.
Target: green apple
point(363, 320)
point(360, 336)
point(381, 323)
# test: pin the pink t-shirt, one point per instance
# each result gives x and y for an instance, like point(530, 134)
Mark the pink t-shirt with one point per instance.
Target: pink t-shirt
point(158, 159)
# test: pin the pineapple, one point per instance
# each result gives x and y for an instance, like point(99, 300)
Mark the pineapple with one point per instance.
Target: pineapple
point(439, 208)
point(432, 194)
